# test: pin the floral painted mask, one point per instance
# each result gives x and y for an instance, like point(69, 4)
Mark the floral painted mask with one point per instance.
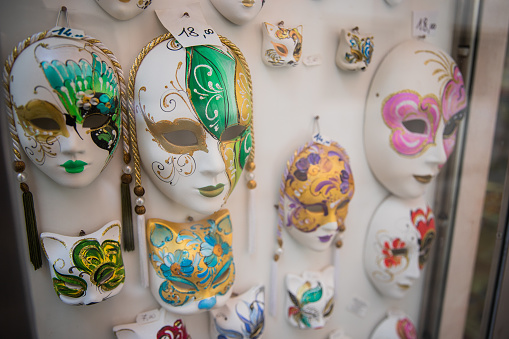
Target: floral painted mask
point(310, 298)
point(415, 104)
point(396, 325)
point(316, 188)
point(157, 324)
point(65, 95)
point(86, 269)
point(123, 9)
point(395, 249)
point(242, 316)
point(193, 117)
point(281, 46)
point(238, 11)
point(354, 51)
point(192, 263)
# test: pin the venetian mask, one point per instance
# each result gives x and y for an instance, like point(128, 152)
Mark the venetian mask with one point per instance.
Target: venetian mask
point(86, 269)
point(242, 316)
point(123, 9)
point(157, 324)
point(193, 116)
point(310, 298)
point(398, 243)
point(354, 51)
point(396, 325)
point(281, 46)
point(416, 101)
point(316, 188)
point(192, 263)
point(66, 98)
point(238, 11)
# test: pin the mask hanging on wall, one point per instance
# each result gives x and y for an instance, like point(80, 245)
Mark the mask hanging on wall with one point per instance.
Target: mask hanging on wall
point(398, 242)
point(86, 269)
point(310, 298)
point(241, 317)
point(415, 104)
point(157, 324)
point(281, 46)
point(65, 112)
point(124, 9)
point(354, 51)
point(238, 11)
point(396, 325)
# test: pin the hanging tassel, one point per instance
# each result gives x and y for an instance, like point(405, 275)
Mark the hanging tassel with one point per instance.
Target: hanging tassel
point(251, 220)
point(273, 288)
point(34, 246)
point(127, 213)
point(140, 210)
point(336, 262)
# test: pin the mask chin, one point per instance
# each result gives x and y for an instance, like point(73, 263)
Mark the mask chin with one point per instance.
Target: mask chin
point(123, 10)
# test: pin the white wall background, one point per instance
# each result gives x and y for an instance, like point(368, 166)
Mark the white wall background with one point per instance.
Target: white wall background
point(285, 103)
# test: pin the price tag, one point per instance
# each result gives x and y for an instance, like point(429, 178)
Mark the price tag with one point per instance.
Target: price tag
point(320, 139)
point(312, 60)
point(148, 317)
point(187, 24)
point(424, 23)
point(358, 307)
point(66, 32)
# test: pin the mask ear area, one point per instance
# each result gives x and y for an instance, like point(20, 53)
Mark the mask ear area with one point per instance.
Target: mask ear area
point(54, 247)
point(269, 28)
point(158, 233)
point(110, 231)
point(328, 276)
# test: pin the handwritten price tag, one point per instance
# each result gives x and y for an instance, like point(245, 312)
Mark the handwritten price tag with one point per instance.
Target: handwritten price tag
point(320, 139)
point(148, 317)
point(67, 32)
point(424, 23)
point(187, 24)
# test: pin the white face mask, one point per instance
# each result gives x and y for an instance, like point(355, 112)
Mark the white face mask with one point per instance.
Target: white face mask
point(86, 269)
point(396, 325)
point(281, 46)
point(238, 11)
point(241, 317)
point(194, 140)
point(66, 100)
point(123, 9)
point(395, 251)
point(310, 298)
point(354, 50)
point(415, 103)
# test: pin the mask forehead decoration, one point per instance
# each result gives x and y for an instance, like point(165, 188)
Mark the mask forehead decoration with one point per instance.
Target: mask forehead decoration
point(281, 46)
point(238, 11)
point(316, 188)
point(192, 263)
point(354, 51)
point(194, 124)
point(411, 126)
point(310, 298)
point(86, 269)
point(394, 251)
point(124, 9)
point(396, 325)
point(241, 317)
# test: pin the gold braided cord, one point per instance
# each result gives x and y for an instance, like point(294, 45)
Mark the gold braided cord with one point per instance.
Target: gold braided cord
point(132, 75)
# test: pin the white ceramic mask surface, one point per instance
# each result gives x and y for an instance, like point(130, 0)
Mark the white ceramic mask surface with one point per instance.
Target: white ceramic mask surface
point(281, 46)
point(238, 11)
point(397, 325)
point(156, 324)
point(242, 316)
point(86, 269)
point(394, 252)
point(354, 51)
point(66, 103)
point(414, 106)
point(193, 115)
point(310, 298)
point(123, 9)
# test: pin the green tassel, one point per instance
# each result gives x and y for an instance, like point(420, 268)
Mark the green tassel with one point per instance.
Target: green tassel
point(127, 217)
point(34, 246)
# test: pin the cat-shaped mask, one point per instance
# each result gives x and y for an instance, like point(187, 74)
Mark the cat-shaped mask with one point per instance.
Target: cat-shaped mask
point(354, 50)
point(281, 46)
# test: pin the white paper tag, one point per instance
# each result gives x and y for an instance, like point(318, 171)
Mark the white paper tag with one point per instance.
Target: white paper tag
point(187, 24)
point(312, 60)
point(148, 317)
point(66, 32)
point(358, 307)
point(320, 139)
point(424, 23)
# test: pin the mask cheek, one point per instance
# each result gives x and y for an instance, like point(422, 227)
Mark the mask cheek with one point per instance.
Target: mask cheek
point(235, 154)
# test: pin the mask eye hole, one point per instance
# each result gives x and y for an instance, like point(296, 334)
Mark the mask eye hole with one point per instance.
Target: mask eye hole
point(232, 132)
point(450, 128)
point(95, 121)
point(47, 124)
point(315, 208)
point(280, 49)
point(181, 137)
point(180, 286)
point(416, 126)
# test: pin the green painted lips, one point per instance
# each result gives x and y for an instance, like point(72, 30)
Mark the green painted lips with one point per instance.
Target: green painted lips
point(211, 191)
point(71, 166)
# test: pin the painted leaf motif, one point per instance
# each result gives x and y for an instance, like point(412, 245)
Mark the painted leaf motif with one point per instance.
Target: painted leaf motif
point(312, 295)
point(294, 299)
point(329, 307)
point(62, 285)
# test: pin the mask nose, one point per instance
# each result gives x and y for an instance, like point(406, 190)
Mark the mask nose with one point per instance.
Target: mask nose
point(212, 163)
point(413, 272)
point(72, 145)
point(436, 154)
